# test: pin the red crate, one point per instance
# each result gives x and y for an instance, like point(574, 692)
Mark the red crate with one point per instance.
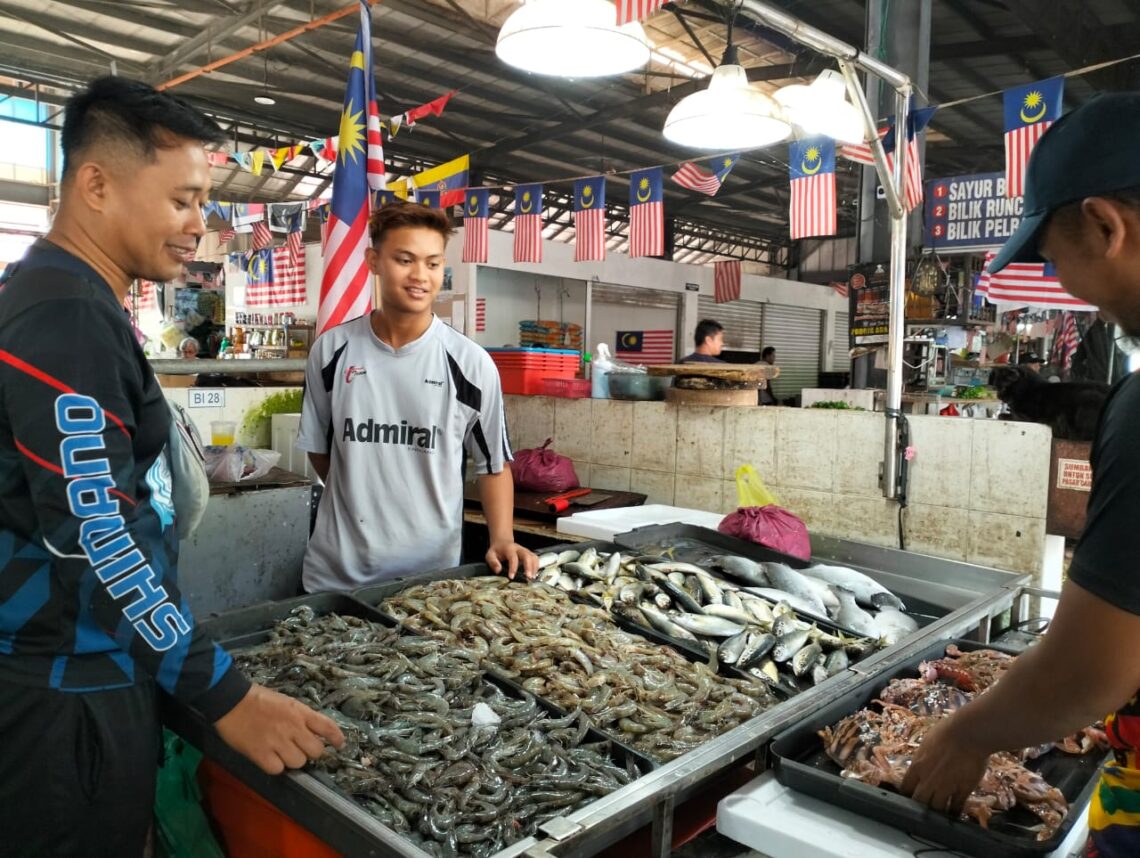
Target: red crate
point(522, 371)
point(568, 388)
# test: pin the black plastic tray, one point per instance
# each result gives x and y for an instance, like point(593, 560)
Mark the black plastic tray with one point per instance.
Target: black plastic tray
point(697, 544)
point(247, 627)
point(802, 764)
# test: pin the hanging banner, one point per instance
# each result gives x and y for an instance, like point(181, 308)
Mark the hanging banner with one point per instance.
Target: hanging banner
point(969, 213)
point(869, 297)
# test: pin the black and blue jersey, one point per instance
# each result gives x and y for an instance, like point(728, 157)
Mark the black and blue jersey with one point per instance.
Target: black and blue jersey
point(88, 547)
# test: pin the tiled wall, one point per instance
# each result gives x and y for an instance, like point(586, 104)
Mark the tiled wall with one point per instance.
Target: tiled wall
point(978, 488)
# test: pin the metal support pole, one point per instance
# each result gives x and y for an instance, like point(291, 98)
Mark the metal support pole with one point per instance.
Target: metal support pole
point(871, 135)
point(893, 406)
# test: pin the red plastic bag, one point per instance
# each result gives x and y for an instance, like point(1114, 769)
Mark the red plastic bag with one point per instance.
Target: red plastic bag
point(543, 470)
point(771, 526)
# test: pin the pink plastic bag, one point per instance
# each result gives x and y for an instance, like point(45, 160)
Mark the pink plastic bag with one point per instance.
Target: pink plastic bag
point(543, 470)
point(771, 526)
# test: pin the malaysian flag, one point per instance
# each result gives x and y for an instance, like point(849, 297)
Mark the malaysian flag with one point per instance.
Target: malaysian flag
point(293, 240)
point(705, 180)
point(262, 237)
point(429, 197)
point(811, 165)
point(480, 315)
point(528, 223)
point(476, 213)
point(636, 10)
point(1029, 111)
point(346, 285)
point(726, 281)
point(590, 219)
point(839, 287)
point(226, 234)
point(646, 214)
point(259, 278)
point(645, 347)
point(860, 153)
point(1027, 284)
point(1068, 339)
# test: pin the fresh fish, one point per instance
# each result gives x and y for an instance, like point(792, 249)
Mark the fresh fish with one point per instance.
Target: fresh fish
point(789, 644)
point(693, 589)
point(825, 593)
point(815, 608)
point(677, 578)
point(550, 576)
point(677, 566)
point(730, 650)
point(867, 590)
point(630, 594)
point(758, 645)
point(786, 624)
point(703, 624)
point(567, 583)
point(678, 594)
point(893, 625)
point(733, 600)
point(806, 658)
point(582, 570)
point(662, 600)
point(568, 556)
point(548, 559)
point(710, 589)
point(612, 566)
point(759, 608)
point(732, 614)
point(741, 567)
point(665, 625)
point(852, 617)
point(766, 671)
point(819, 673)
point(836, 662)
point(589, 557)
point(794, 583)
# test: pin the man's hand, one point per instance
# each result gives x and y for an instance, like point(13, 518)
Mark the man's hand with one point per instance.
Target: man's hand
point(945, 768)
point(513, 557)
point(277, 732)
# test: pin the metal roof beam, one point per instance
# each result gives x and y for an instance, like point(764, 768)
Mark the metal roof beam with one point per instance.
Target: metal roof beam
point(216, 31)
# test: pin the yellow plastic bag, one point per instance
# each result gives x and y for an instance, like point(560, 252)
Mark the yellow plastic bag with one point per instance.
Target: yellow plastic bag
point(750, 489)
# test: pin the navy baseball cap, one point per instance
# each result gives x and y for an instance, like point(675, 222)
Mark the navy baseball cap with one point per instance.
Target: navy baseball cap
point(1089, 152)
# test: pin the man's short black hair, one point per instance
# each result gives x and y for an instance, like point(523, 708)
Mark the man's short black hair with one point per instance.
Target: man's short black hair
point(768, 350)
point(131, 114)
point(706, 328)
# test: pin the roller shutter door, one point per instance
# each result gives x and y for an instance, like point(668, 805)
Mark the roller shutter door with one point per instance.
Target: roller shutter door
point(795, 334)
point(742, 322)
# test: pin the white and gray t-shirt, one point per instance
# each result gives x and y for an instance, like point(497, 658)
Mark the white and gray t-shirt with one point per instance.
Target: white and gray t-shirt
point(396, 423)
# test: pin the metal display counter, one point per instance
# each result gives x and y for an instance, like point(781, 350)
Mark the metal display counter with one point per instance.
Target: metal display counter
point(250, 544)
point(968, 597)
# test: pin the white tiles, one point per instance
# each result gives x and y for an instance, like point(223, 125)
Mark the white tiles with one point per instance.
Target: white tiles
point(608, 478)
point(943, 461)
point(613, 432)
point(859, 453)
point(532, 424)
point(700, 442)
point(698, 492)
point(750, 439)
point(815, 509)
point(657, 486)
point(1010, 473)
point(573, 427)
point(937, 530)
point(805, 448)
point(1008, 542)
point(655, 436)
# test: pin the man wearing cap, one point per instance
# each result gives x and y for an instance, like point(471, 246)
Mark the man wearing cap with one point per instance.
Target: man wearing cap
point(1030, 360)
point(1082, 207)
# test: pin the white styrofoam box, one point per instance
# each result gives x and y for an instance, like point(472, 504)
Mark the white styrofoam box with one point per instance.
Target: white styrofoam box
point(605, 523)
point(283, 439)
point(782, 823)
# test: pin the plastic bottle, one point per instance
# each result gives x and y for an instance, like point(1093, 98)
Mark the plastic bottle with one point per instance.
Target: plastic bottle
point(600, 368)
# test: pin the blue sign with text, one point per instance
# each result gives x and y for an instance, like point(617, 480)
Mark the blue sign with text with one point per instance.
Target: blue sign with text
point(969, 213)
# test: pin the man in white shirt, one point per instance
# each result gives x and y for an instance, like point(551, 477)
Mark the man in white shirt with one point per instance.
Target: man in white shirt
point(394, 401)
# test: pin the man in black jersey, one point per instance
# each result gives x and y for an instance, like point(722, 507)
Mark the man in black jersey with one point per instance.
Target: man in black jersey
point(92, 624)
point(1082, 213)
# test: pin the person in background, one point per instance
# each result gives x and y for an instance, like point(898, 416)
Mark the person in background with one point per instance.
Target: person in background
point(188, 349)
point(393, 402)
point(768, 356)
point(709, 341)
point(1030, 360)
point(1082, 214)
point(92, 624)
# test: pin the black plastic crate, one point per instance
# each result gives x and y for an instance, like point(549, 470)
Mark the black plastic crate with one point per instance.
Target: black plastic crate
point(802, 764)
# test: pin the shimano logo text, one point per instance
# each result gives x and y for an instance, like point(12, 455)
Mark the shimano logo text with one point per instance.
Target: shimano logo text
point(103, 534)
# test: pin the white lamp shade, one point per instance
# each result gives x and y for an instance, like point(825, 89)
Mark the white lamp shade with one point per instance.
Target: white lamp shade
point(729, 114)
point(571, 38)
point(823, 108)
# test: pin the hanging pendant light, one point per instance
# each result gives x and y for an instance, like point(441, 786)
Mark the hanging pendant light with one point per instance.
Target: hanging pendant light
point(729, 114)
point(264, 97)
point(822, 108)
point(571, 38)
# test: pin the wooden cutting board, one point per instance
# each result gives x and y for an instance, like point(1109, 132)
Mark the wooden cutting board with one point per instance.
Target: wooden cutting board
point(533, 504)
point(747, 396)
point(736, 373)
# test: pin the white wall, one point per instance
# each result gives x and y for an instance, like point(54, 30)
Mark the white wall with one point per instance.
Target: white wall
point(620, 270)
point(511, 298)
point(611, 318)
